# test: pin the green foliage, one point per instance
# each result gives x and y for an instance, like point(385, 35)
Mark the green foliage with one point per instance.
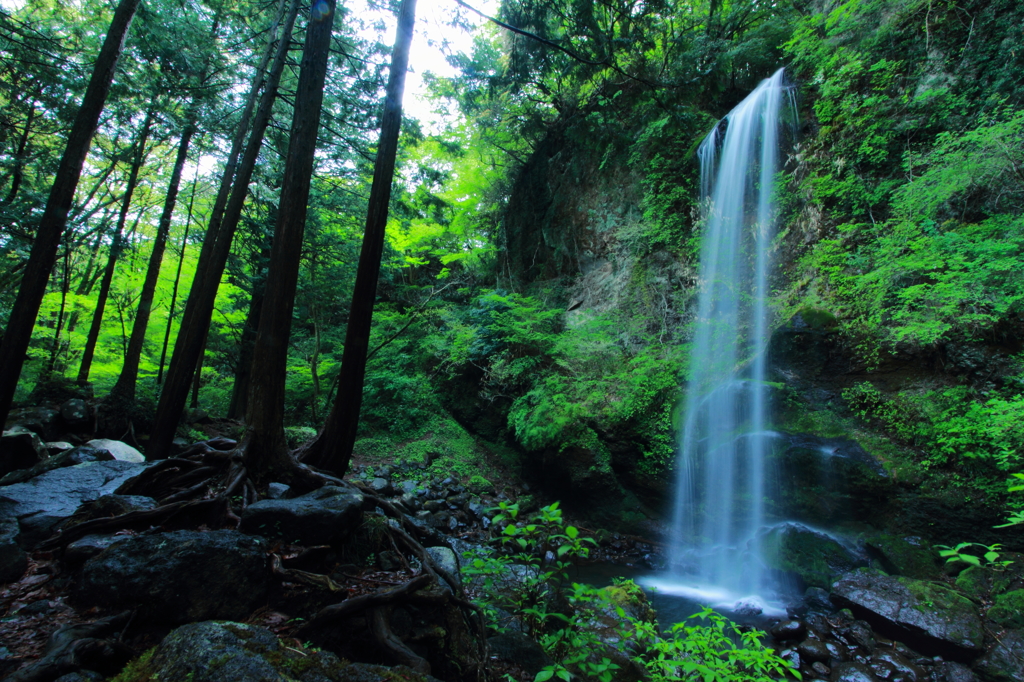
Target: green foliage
point(951, 426)
point(564, 616)
point(989, 556)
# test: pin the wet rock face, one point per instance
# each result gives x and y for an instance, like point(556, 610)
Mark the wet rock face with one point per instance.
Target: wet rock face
point(929, 617)
point(1005, 661)
point(323, 516)
point(42, 503)
point(234, 652)
point(816, 558)
point(67, 458)
point(180, 576)
point(828, 480)
point(43, 421)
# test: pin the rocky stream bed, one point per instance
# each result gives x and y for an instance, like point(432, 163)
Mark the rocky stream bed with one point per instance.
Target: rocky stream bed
point(361, 581)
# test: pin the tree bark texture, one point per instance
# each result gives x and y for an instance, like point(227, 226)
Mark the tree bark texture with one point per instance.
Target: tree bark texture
point(332, 450)
point(51, 226)
point(266, 447)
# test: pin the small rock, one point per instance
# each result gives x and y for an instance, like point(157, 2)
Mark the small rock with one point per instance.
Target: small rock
point(381, 486)
point(277, 491)
point(434, 506)
point(791, 657)
point(820, 668)
point(900, 665)
point(83, 549)
point(121, 451)
point(851, 672)
point(388, 561)
point(788, 630)
point(446, 559)
point(36, 608)
point(817, 599)
point(814, 650)
point(57, 447)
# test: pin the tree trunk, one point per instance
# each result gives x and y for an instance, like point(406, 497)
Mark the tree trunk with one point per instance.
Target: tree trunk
point(115, 250)
point(124, 389)
point(333, 447)
point(199, 306)
point(243, 370)
point(65, 286)
point(265, 445)
point(51, 226)
point(177, 279)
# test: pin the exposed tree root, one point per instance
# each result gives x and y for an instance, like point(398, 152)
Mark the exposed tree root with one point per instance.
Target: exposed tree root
point(74, 647)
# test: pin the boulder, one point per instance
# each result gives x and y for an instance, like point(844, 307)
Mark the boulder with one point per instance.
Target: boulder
point(909, 556)
point(20, 449)
point(520, 650)
point(234, 652)
point(121, 451)
point(930, 617)
point(75, 413)
point(817, 558)
point(67, 458)
point(447, 560)
point(179, 576)
point(1005, 661)
point(43, 421)
point(950, 671)
point(324, 516)
point(13, 559)
point(43, 502)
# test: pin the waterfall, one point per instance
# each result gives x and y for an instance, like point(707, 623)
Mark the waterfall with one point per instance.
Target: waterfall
point(722, 482)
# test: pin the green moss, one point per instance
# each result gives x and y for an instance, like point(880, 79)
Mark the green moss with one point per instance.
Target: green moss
point(975, 582)
point(818, 318)
point(139, 670)
point(1008, 609)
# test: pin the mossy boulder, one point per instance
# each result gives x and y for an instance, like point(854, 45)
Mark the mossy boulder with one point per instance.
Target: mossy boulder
point(928, 616)
point(816, 558)
point(234, 652)
point(904, 556)
point(1008, 609)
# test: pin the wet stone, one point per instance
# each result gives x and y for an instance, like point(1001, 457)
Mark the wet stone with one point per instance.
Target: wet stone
point(821, 669)
point(851, 672)
point(814, 650)
point(788, 630)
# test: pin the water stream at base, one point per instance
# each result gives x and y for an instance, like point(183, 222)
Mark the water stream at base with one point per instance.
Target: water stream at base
point(715, 554)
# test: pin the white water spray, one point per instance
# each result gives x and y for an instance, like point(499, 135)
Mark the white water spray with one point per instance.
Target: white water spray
point(721, 486)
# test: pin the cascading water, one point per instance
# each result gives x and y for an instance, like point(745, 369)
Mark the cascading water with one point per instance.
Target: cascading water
point(719, 509)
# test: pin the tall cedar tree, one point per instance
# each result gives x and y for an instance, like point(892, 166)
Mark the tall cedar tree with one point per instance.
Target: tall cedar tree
point(265, 447)
point(332, 449)
point(116, 246)
point(213, 256)
point(55, 215)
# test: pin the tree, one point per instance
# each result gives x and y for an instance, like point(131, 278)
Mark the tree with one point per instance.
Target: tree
point(265, 447)
point(51, 225)
point(220, 232)
point(333, 447)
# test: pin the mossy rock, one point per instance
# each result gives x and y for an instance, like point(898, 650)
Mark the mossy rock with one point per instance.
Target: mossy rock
point(214, 651)
point(1008, 609)
point(901, 556)
point(816, 558)
point(297, 435)
point(817, 319)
